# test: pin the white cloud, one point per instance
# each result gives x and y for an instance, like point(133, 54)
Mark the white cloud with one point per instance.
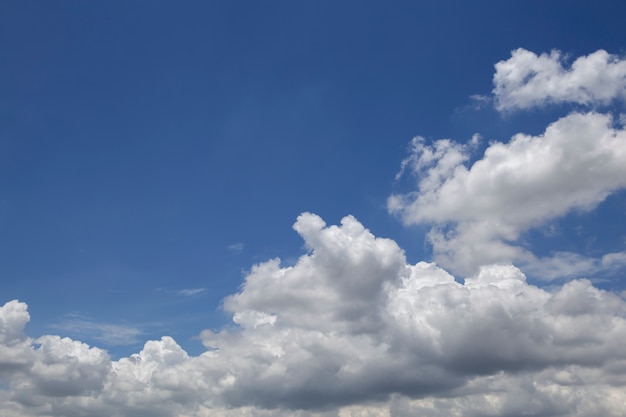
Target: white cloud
point(350, 330)
point(15, 354)
point(528, 80)
point(479, 212)
point(47, 367)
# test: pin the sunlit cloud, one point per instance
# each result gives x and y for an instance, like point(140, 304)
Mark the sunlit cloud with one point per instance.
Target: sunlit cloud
point(528, 80)
point(352, 328)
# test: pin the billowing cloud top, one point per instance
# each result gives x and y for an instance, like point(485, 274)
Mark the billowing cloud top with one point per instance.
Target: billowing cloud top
point(479, 211)
point(528, 80)
point(575, 164)
point(352, 329)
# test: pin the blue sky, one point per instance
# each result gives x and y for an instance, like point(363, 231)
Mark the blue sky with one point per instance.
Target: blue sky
point(153, 152)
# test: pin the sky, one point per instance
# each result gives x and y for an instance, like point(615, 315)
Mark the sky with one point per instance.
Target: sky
point(312, 209)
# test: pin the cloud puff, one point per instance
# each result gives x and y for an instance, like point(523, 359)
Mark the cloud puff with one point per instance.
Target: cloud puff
point(350, 330)
point(480, 211)
point(49, 366)
point(528, 80)
point(15, 353)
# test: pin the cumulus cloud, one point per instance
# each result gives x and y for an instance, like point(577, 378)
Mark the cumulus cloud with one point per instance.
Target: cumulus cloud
point(479, 211)
point(351, 329)
point(528, 80)
point(49, 366)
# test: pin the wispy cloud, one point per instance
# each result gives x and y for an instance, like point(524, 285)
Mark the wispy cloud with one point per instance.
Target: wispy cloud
point(236, 248)
point(190, 291)
point(109, 334)
point(479, 101)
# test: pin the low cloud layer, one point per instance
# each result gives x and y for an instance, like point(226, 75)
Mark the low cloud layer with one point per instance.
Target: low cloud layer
point(350, 329)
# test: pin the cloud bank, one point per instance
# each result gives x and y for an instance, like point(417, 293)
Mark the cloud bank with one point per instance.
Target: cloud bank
point(352, 329)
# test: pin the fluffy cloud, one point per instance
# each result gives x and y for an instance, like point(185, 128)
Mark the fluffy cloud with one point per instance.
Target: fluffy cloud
point(353, 330)
point(350, 330)
point(528, 80)
point(47, 367)
point(14, 345)
point(480, 211)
